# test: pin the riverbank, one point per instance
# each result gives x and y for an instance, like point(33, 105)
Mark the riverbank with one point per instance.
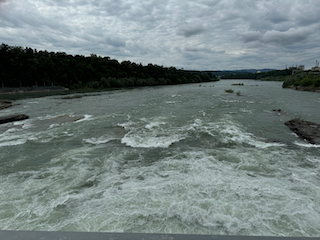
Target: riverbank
point(8, 90)
point(306, 88)
point(303, 81)
point(15, 94)
point(26, 92)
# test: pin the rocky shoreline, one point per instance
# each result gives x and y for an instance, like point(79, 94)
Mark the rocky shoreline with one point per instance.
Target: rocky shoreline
point(307, 88)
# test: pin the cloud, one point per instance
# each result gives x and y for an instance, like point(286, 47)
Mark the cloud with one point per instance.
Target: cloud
point(251, 36)
point(203, 34)
point(203, 50)
point(189, 30)
point(288, 37)
point(276, 17)
point(284, 38)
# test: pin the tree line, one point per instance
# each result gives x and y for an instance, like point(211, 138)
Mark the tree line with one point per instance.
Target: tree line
point(27, 67)
point(266, 76)
point(306, 79)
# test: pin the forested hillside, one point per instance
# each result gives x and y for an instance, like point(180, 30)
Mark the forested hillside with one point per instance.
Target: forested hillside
point(26, 67)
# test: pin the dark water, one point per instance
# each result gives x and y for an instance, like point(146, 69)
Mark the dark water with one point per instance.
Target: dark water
point(172, 159)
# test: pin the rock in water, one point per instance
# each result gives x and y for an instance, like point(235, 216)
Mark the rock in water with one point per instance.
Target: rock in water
point(66, 118)
point(13, 118)
point(308, 131)
point(5, 104)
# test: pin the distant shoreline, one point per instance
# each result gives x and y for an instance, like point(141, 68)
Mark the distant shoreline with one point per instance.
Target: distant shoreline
point(9, 90)
point(30, 92)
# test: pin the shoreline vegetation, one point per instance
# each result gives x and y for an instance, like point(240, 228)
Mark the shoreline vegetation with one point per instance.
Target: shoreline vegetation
point(263, 76)
point(299, 80)
point(28, 70)
point(303, 81)
point(294, 79)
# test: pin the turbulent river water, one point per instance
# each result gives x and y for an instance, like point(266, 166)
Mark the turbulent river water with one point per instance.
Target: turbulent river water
point(172, 159)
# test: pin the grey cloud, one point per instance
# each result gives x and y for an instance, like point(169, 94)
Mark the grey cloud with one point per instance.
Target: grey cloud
point(115, 42)
point(276, 17)
point(203, 50)
point(251, 36)
point(216, 34)
point(283, 15)
point(277, 37)
point(114, 8)
point(210, 3)
point(286, 38)
point(309, 17)
point(189, 30)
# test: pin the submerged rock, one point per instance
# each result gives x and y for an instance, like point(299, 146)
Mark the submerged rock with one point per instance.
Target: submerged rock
point(58, 120)
point(13, 118)
point(72, 97)
point(308, 131)
point(5, 104)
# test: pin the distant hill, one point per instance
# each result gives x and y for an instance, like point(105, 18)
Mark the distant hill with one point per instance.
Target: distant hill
point(255, 70)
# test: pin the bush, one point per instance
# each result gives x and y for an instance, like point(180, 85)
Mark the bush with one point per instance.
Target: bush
point(307, 81)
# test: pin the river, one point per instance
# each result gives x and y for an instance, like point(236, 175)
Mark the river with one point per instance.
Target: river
point(171, 159)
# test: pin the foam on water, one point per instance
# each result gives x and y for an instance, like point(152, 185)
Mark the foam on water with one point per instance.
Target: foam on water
point(231, 133)
point(99, 140)
point(151, 133)
point(172, 102)
point(306, 145)
point(191, 192)
point(54, 125)
point(49, 116)
point(13, 143)
point(87, 117)
point(20, 123)
point(35, 130)
point(133, 168)
point(226, 131)
point(244, 110)
point(230, 101)
point(151, 139)
point(13, 137)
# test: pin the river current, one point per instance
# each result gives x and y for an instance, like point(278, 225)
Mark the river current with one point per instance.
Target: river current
point(172, 159)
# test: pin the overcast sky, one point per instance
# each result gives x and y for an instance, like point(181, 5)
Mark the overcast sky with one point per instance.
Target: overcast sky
point(200, 35)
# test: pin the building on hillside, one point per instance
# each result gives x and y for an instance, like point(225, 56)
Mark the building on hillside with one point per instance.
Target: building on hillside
point(296, 68)
point(316, 67)
point(300, 67)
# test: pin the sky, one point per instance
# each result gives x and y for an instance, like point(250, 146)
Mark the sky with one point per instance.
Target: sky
point(193, 35)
